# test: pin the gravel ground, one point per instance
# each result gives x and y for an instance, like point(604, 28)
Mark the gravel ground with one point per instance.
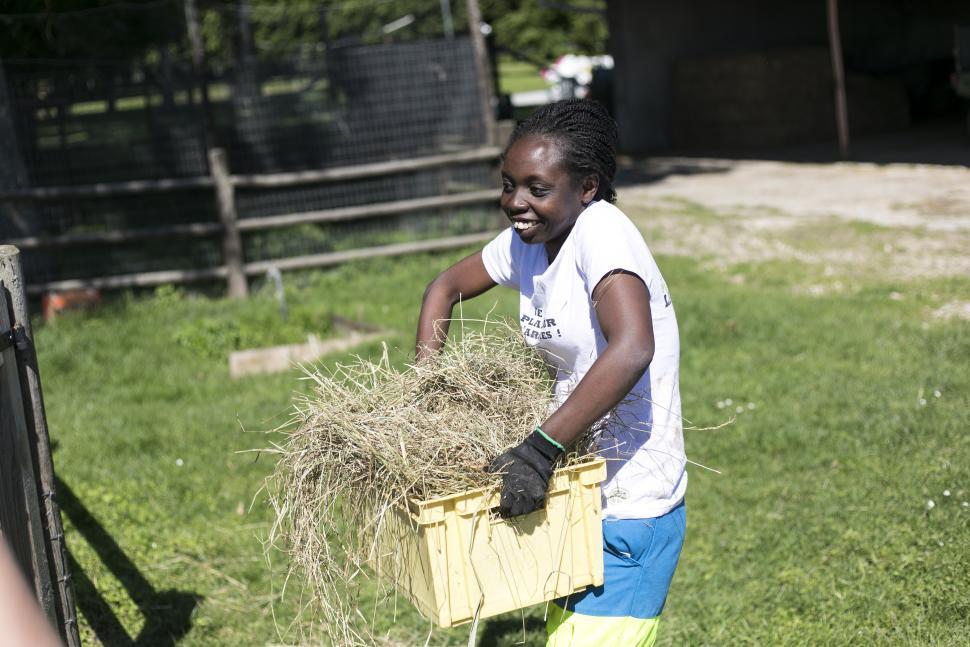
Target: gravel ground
point(896, 221)
point(901, 195)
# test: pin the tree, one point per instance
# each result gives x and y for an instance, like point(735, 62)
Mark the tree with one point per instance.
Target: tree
point(85, 29)
point(546, 30)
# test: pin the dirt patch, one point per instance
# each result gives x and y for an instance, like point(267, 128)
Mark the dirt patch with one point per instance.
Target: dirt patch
point(953, 310)
point(897, 221)
point(913, 195)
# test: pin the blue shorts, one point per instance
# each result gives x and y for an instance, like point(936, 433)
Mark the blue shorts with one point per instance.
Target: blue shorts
point(639, 559)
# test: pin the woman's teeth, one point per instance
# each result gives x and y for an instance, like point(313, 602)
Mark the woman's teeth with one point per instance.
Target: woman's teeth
point(521, 225)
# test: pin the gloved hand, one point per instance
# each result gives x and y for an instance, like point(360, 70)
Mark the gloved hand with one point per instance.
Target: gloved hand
point(526, 469)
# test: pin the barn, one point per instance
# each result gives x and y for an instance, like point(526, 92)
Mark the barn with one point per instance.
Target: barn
point(760, 74)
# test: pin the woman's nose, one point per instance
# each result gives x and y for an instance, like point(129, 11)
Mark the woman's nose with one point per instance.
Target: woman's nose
point(515, 202)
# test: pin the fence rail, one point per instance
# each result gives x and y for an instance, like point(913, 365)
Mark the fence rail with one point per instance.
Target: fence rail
point(259, 268)
point(100, 189)
point(230, 226)
point(119, 236)
point(265, 180)
point(335, 139)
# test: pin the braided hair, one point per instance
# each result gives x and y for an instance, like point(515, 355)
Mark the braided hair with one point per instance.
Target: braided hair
point(585, 134)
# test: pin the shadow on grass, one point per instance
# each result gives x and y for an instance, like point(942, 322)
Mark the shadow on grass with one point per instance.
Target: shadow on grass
point(513, 630)
point(168, 614)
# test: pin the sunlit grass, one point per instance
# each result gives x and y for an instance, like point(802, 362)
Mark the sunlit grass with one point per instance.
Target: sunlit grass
point(854, 410)
point(517, 76)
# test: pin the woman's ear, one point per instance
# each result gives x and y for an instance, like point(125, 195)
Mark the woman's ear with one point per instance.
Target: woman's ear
point(590, 186)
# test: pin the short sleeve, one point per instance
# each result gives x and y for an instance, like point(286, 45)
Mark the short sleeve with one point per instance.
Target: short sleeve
point(499, 260)
point(609, 242)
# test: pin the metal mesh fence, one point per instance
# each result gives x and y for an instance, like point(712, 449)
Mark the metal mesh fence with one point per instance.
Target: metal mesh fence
point(284, 87)
point(82, 122)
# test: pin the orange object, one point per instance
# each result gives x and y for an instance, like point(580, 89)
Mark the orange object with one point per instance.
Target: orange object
point(53, 302)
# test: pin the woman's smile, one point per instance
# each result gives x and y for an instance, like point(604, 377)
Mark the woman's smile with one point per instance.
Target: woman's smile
point(524, 225)
point(525, 228)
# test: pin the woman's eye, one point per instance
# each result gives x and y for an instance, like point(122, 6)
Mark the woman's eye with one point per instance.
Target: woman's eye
point(506, 187)
point(539, 191)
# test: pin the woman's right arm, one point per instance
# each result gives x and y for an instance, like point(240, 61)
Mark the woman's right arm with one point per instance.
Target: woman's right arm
point(462, 281)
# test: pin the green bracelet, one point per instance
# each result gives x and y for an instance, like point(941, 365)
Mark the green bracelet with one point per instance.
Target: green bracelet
point(549, 438)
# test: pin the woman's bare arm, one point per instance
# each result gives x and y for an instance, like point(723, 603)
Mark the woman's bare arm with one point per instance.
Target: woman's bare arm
point(464, 280)
point(623, 311)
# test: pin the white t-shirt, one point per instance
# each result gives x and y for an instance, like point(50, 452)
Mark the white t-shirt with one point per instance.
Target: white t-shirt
point(643, 439)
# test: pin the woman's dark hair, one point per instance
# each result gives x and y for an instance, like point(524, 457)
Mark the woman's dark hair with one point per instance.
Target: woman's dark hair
point(585, 134)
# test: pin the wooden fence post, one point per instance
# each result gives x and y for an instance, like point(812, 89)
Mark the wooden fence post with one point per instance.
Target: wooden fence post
point(21, 513)
point(485, 89)
point(194, 30)
point(838, 74)
point(232, 248)
point(51, 573)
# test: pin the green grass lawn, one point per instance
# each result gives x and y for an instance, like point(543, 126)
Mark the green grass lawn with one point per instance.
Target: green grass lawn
point(517, 76)
point(852, 412)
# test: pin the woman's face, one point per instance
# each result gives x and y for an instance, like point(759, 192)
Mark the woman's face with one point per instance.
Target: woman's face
point(538, 194)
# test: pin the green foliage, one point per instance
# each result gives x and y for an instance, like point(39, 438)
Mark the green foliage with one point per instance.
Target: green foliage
point(87, 29)
point(209, 336)
point(545, 33)
point(141, 30)
point(817, 530)
point(259, 323)
point(280, 30)
point(516, 76)
point(352, 22)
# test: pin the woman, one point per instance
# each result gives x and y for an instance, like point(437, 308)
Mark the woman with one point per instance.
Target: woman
point(594, 303)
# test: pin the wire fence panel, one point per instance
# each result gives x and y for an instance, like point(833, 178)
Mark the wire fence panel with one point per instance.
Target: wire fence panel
point(313, 238)
point(107, 214)
point(79, 122)
point(333, 85)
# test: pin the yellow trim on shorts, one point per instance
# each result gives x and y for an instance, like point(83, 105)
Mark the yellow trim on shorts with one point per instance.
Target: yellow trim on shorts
point(570, 629)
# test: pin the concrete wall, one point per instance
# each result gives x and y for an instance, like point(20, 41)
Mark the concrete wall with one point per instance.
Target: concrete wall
point(648, 37)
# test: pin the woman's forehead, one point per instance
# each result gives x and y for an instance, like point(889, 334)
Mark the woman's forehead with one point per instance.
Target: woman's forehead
point(533, 154)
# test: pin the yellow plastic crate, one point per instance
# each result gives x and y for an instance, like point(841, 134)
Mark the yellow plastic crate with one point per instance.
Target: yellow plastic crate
point(450, 555)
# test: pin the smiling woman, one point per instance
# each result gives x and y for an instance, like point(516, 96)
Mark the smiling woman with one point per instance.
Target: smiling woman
point(594, 304)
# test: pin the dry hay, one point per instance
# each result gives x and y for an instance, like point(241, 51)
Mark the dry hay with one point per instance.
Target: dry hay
point(370, 436)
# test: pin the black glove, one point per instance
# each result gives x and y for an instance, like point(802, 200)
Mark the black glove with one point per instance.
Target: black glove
point(526, 469)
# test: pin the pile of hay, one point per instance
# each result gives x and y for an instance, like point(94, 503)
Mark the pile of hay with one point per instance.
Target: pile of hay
point(370, 437)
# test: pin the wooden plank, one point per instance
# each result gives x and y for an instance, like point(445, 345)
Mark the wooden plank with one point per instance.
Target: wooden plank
point(62, 594)
point(197, 47)
point(398, 249)
point(361, 171)
point(276, 359)
point(29, 454)
point(101, 189)
point(482, 70)
point(203, 229)
point(148, 279)
point(20, 515)
point(136, 280)
point(370, 210)
point(232, 247)
point(270, 180)
point(838, 72)
point(191, 230)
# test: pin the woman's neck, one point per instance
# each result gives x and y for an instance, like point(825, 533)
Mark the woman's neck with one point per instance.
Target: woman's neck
point(553, 246)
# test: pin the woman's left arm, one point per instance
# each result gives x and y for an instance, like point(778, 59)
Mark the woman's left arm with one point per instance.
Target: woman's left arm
point(623, 310)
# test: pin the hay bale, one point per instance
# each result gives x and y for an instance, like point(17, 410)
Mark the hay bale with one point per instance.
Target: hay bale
point(370, 437)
